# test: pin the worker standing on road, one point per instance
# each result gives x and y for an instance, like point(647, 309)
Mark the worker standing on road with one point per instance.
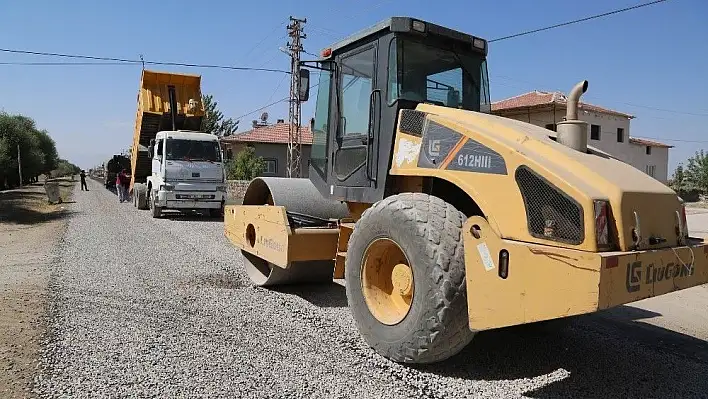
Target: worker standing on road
point(83, 180)
point(122, 186)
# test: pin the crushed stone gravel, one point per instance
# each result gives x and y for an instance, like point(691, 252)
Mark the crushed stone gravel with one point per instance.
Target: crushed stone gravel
point(144, 307)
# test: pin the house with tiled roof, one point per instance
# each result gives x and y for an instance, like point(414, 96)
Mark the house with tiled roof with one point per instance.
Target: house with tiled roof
point(609, 130)
point(270, 142)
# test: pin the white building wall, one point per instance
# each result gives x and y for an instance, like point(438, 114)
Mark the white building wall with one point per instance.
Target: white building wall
point(625, 151)
point(655, 164)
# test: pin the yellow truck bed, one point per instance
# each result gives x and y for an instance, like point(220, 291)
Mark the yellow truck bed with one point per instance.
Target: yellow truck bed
point(153, 113)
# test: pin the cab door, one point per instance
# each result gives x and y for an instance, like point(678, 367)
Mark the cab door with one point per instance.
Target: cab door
point(355, 139)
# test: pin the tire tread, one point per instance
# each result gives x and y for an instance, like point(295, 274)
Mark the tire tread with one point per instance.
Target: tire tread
point(445, 331)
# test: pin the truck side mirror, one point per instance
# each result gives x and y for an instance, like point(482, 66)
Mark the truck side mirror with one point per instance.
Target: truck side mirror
point(151, 149)
point(304, 89)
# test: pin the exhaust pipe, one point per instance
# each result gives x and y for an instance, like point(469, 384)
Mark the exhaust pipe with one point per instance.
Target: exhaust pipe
point(573, 132)
point(573, 99)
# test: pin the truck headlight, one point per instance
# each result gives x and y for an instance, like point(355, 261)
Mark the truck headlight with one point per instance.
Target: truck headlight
point(221, 188)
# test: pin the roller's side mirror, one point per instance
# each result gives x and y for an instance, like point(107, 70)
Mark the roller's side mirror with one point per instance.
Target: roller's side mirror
point(151, 149)
point(304, 89)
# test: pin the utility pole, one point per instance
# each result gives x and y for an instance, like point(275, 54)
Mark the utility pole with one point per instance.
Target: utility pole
point(19, 164)
point(294, 135)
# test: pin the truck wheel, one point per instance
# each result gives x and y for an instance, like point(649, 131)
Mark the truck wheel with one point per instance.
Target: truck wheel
point(405, 279)
point(140, 193)
point(219, 212)
point(155, 210)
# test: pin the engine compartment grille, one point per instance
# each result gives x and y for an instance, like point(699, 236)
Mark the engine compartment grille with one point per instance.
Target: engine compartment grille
point(550, 213)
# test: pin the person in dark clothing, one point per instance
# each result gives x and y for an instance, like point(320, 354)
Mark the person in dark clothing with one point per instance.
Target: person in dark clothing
point(122, 184)
point(83, 180)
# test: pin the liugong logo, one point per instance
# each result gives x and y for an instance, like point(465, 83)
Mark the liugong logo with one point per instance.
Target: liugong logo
point(638, 275)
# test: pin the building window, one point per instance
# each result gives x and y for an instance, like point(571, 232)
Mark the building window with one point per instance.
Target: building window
point(650, 170)
point(271, 166)
point(620, 135)
point(595, 132)
point(648, 150)
point(551, 126)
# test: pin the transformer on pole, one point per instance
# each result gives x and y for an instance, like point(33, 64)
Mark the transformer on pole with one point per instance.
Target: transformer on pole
point(294, 134)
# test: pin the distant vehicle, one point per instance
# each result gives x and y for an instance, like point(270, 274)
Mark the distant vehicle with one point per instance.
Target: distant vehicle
point(174, 165)
point(112, 167)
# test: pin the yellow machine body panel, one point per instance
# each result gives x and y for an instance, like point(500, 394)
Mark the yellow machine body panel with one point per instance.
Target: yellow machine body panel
point(492, 180)
point(264, 231)
point(543, 283)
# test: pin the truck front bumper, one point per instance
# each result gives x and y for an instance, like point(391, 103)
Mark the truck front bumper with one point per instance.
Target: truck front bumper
point(511, 282)
point(190, 199)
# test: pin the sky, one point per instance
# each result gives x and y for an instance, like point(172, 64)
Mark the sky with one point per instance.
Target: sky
point(649, 62)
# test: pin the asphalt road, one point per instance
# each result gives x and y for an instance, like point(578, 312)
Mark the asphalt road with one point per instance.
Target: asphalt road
point(143, 307)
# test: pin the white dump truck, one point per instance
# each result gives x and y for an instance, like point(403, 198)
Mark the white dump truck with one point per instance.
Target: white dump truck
point(174, 165)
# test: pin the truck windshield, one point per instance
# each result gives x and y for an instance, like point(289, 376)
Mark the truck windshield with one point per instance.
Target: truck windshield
point(192, 150)
point(425, 73)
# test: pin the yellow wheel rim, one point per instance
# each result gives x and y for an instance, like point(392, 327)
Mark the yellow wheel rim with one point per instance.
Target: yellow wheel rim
point(387, 281)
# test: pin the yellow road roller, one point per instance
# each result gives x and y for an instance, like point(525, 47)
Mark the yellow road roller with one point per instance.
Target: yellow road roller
point(444, 220)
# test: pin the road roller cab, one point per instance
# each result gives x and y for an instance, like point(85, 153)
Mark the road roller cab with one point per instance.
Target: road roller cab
point(443, 219)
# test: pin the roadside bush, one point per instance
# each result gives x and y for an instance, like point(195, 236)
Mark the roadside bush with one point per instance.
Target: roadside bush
point(245, 166)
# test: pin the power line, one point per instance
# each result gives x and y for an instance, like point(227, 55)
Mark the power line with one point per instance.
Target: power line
point(668, 139)
point(277, 87)
point(577, 21)
point(665, 110)
point(591, 97)
point(273, 103)
point(264, 38)
point(129, 61)
point(263, 107)
point(64, 63)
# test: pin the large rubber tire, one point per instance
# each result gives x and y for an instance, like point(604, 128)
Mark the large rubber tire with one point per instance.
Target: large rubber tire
point(155, 211)
point(217, 213)
point(429, 232)
point(140, 192)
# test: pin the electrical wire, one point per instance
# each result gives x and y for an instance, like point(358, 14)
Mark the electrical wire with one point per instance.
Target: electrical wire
point(271, 104)
point(665, 110)
point(264, 38)
point(139, 62)
point(277, 87)
point(576, 21)
point(63, 63)
point(668, 139)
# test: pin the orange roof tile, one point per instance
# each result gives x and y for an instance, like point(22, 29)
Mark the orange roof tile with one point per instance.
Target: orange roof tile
point(542, 98)
point(276, 133)
point(651, 143)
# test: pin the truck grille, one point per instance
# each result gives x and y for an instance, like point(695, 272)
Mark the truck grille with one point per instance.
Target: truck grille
point(550, 213)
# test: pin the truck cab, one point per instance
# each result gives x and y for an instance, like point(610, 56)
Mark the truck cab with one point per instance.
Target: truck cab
point(187, 173)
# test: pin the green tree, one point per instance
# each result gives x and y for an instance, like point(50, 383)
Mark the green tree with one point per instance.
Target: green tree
point(49, 151)
point(678, 180)
point(66, 168)
point(245, 166)
point(19, 132)
point(696, 171)
point(214, 120)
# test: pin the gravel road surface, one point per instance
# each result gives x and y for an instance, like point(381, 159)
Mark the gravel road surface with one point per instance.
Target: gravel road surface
point(161, 308)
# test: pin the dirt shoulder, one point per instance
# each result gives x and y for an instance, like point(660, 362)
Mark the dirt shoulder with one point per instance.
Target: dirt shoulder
point(30, 228)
